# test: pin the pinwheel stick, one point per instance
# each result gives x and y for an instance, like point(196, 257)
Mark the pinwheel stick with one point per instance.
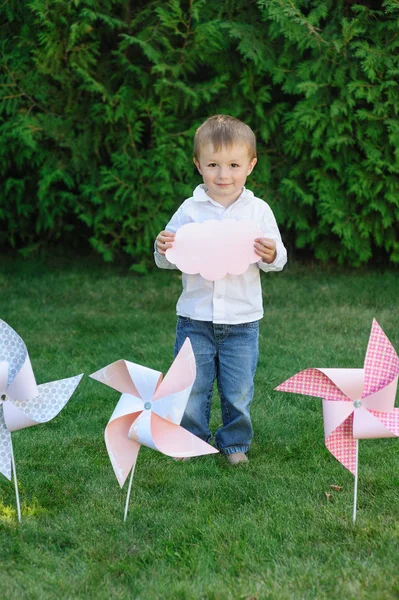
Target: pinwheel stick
point(14, 474)
point(355, 487)
point(128, 494)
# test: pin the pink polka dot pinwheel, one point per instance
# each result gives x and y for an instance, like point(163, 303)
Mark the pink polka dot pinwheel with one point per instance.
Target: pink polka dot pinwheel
point(357, 403)
point(149, 412)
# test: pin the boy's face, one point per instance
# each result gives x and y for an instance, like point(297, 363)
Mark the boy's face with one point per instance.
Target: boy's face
point(224, 172)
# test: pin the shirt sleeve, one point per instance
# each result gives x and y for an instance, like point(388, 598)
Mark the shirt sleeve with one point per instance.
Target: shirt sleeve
point(270, 229)
point(178, 219)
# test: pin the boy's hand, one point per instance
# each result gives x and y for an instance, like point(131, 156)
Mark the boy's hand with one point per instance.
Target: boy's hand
point(266, 248)
point(164, 241)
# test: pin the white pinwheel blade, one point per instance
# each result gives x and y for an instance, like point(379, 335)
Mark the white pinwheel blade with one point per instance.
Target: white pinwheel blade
point(174, 440)
point(127, 405)
point(13, 351)
point(368, 426)
point(335, 412)
point(140, 430)
point(3, 377)
point(16, 419)
point(23, 385)
point(5, 447)
point(52, 398)
point(384, 399)
point(349, 381)
point(171, 397)
point(117, 376)
point(172, 407)
point(122, 452)
point(146, 380)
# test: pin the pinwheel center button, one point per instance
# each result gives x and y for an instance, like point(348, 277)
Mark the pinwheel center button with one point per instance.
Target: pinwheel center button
point(357, 403)
point(147, 405)
point(3, 397)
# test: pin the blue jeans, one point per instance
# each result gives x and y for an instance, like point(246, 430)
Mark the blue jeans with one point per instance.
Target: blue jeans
point(228, 354)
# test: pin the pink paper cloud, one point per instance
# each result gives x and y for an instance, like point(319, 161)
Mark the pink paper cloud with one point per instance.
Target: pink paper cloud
point(215, 248)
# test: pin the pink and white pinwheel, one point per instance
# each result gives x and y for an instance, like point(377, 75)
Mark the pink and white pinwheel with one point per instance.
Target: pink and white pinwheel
point(22, 402)
point(149, 412)
point(357, 403)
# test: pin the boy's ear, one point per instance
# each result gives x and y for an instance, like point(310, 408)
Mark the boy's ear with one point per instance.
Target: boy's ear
point(197, 165)
point(251, 165)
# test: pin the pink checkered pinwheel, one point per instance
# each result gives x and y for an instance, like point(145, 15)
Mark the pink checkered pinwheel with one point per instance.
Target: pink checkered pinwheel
point(357, 403)
point(149, 411)
point(22, 402)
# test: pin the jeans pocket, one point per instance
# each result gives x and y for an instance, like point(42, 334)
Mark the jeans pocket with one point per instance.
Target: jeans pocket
point(183, 319)
point(251, 325)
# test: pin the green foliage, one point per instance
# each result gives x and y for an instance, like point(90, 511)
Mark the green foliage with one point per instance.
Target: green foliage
point(99, 101)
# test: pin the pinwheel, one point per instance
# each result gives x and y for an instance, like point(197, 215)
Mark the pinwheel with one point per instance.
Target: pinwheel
point(357, 403)
point(22, 402)
point(149, 413)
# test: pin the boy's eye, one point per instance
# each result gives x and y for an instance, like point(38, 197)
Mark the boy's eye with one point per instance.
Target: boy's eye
point(212, 165)
point(234, 165)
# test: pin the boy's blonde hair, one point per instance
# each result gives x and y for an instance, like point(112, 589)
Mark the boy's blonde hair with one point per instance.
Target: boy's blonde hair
point(223, 130)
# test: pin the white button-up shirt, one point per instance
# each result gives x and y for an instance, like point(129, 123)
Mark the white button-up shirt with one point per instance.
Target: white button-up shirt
point(235, 298)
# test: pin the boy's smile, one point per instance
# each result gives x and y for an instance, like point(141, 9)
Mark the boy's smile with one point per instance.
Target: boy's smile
point(224, 172)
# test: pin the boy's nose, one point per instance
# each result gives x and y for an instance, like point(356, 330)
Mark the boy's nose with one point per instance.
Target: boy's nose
point(223, 173)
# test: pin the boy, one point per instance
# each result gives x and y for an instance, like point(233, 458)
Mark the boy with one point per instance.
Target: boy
point(221, 318)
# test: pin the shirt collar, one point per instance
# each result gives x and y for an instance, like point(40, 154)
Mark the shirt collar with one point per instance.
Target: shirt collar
point(200, 195)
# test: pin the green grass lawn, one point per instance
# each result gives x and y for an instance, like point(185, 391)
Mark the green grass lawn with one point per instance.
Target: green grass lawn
point(199, 529)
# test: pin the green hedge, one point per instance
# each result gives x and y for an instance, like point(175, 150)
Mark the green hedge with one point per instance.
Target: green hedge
point(99, 101)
